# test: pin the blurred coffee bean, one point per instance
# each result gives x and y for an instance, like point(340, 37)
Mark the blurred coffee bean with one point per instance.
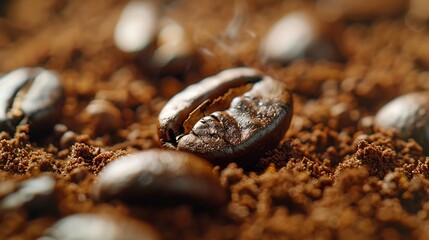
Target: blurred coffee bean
point(366, 124)
point(30, 95)
point(104, 116)
point(234, 116)
point(160, 177)
point(175, 50)
point(137, 26)
point(409, 115)
point(362, 9)
point(35, 195)
point(79, 174)
point(418, 14)
point(59, 129)
point(67, 139)
point(298, 35)
point(92, 226)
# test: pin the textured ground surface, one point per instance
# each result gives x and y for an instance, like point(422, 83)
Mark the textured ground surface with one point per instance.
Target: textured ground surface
point(333, 176)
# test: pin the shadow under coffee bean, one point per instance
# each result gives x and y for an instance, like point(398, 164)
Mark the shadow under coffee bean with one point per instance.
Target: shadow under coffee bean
point(234, 116)
point(31, 96)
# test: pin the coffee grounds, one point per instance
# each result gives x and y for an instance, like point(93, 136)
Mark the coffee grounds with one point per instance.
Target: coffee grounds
point(334, 175)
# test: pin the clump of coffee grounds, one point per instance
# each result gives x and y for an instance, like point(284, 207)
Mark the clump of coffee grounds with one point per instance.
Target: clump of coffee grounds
point(18, 156)
point(90, 158)
point(333, 175)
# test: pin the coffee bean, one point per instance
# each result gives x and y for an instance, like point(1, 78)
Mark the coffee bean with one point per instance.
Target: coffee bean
point(78, 174)
point(409, 115)
point(162, 45)
point(30, 95)
point(104, 116)
point(35, 195)
point(160, 177)
point(366, 124)
point(68, 139)
point(94, 226)
point(137, 26)
point(175, 51)
point(236, 115)
point(298, 35)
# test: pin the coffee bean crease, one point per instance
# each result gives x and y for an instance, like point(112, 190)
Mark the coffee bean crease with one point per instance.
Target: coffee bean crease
point(238, 114)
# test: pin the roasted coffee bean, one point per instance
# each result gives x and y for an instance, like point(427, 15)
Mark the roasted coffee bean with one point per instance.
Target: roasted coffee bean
point(160, 177)
point(30, 95)
point(68, 139)
point(409, 115)
point(162, 45)
point(175, 51)
point(104, 116)
point(35, 195)
point(92, 226)
point(78, 174)
point(236, 115)
point(137, 26)
point(299, 35)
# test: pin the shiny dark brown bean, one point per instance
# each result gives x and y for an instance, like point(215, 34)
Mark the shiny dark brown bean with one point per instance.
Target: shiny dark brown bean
point(299, 35)
point(93, 226)
point(175, 50)
point(137, 26)
point(104, 116)
point(36, 196)
point(236, 115)
point(160, 177)
point(30, 95)
point(409, 115)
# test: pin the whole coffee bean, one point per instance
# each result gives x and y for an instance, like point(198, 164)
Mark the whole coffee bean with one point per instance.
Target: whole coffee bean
point(137, 26)
point(30, 95)
point(175, 51)
point(68, 139)
point(409, 115)
point(160, 177)
point(236, 115)
point(298, 35)
point(92, 226)
point(35, 195)
point(104, 116)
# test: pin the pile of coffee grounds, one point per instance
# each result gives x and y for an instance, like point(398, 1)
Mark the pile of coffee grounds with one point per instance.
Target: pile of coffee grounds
point(334, 175)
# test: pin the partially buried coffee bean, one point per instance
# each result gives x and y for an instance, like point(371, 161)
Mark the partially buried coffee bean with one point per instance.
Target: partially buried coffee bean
point(160, 177)
point(234, 116)
point(175, 51)
point(94, 226)
point(36, 196)
point(409, 115)
point(104, 116)
point(30, 95)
